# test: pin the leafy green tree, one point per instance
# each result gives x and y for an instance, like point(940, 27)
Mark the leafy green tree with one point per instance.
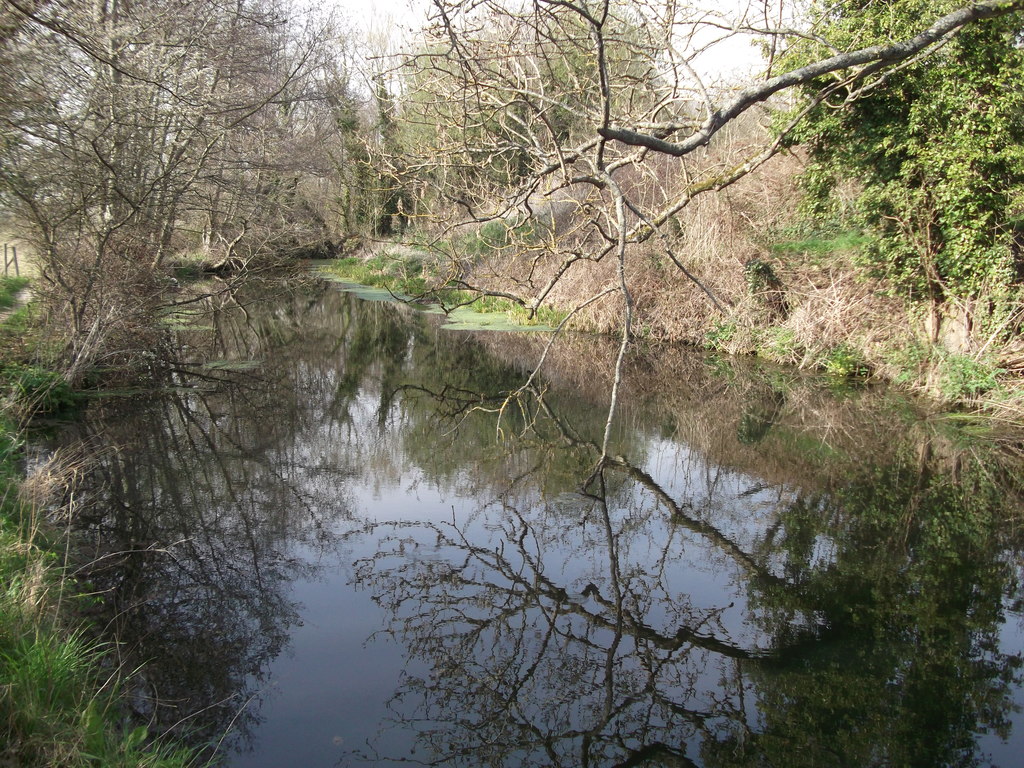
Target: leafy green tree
point(937, 145)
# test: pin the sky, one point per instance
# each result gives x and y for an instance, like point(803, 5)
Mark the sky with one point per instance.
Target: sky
point(395, 20)
point(379, 15)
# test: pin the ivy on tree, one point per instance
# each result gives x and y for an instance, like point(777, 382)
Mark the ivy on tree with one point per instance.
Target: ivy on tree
point(937, 146)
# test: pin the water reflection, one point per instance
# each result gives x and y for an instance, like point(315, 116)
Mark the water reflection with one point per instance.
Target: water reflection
point(761, 574)
point(850, 628)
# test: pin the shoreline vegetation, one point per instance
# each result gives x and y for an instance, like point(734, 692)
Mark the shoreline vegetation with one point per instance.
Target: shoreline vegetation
point(837, 320)
point(60, 691)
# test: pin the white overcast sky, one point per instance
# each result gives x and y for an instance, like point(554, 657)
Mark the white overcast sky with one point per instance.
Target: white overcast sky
point(381, 15)
point(394, 20)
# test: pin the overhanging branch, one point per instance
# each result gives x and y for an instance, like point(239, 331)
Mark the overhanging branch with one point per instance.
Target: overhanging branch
point(871, 58)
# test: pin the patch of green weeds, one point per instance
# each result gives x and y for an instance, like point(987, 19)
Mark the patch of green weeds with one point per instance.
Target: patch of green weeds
point(490, 237)
point(189, 266)
point(184, 320)
point(56, 705)
point(760, 276)
point(18, 322)
point(232, 365)
point(779, 344)
point(495, 236)
point(14, 327)
point(843, 360)
point(957, 377)
point(39, 389)
point(546, 316)
point(401, 275)
point(721, 333)
point(909, 363)
point(50, 678)
point(962, 377)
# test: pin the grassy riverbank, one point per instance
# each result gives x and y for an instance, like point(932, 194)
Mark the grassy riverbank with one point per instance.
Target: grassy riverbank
point(60, 693)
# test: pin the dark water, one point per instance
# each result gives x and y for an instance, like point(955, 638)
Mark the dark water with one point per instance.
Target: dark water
point(362, 551)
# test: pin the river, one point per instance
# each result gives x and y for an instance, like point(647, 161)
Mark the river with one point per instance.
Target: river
point(340, 534)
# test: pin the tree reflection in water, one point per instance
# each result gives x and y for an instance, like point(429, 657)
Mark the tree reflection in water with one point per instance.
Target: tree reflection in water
point(558, 634)
point(856, 625)
point(203, 511)
point(757, 574)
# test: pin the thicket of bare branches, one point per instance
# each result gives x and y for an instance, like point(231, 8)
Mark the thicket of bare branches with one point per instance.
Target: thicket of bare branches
point(134, 134)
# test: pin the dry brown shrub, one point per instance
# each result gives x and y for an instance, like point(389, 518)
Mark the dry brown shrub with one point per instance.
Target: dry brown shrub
point(99, 307)
point(713, 238)
point(833, 307)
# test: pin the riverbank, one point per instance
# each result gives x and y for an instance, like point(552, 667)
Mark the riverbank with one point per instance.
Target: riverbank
point(81, 706)
point(60, 693)
point(801, 301)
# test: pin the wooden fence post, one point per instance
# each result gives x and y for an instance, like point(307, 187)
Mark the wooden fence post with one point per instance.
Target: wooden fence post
point(11, 257)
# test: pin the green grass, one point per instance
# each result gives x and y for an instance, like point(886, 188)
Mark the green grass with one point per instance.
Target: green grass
point(491, 238)
point(779, 344)
point(495, 236)
point(721, 333)
point(820, 244)
point(962, 377)
point(38, 390)
point(30, 388)
point(18, 340)
point(9, 288)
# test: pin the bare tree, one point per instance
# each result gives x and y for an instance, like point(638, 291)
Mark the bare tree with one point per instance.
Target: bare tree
point(138, 131)
point(585, 127)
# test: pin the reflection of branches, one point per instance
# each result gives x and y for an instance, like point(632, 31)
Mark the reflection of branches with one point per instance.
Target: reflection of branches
point(210, 607)
point(681, 515)
point(574, 671)
point(680, 511)
point(453, 403)
point(236, 493)
point(548, 639)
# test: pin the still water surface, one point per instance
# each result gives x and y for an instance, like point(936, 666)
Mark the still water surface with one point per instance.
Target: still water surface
point(363, 551)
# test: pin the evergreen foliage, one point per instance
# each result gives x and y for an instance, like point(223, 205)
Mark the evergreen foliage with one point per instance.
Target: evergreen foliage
point(937, 146)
